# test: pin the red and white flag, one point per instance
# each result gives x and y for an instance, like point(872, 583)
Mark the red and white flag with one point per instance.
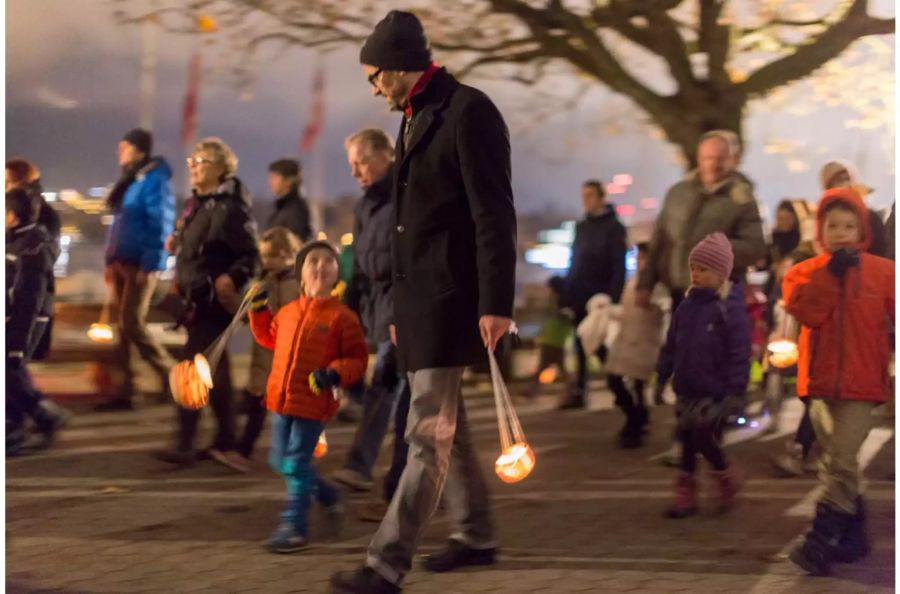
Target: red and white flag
point(191, 97)
point(316, 122)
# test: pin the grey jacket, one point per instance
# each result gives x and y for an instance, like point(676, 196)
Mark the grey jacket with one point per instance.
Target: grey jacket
point(689, 214)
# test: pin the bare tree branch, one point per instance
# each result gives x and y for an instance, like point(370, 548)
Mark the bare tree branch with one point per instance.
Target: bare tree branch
point(811, 56)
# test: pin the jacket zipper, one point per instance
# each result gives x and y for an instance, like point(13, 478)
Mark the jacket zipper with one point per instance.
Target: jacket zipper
point(840, 342)
point(287, 372)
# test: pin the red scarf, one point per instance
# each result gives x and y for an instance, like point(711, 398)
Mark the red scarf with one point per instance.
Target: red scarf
point(419, 87)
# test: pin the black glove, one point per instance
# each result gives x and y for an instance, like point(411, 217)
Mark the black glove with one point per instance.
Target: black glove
point(842, 260)
point(259, 301)
point(324, 379)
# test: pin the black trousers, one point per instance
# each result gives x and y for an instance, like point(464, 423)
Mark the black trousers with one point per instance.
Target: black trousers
point(629, 401)
point(208, 324)
point(255, 406)
point(705, 440)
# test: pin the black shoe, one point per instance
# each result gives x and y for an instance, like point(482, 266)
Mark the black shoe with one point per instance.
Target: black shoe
point(116, 404)
point(364, 580)
point(50, 418)
point(176, 457)
point(643, 419)
point(456, 555)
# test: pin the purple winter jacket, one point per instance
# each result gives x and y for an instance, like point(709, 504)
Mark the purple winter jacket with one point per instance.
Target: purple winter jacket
point(708, 346)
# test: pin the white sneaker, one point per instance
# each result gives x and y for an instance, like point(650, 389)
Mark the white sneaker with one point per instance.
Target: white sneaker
point(231, 459)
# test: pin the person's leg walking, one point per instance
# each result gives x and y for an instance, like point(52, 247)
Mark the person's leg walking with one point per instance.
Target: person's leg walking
point(430, 433)
point(135, 306)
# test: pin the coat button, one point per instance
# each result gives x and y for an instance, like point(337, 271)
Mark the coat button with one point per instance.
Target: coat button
point(402, 183)
point(400, 229)
point(400, 276)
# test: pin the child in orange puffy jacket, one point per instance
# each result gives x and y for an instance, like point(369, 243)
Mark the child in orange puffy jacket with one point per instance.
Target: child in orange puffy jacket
point(319, 346)
point(844, 299)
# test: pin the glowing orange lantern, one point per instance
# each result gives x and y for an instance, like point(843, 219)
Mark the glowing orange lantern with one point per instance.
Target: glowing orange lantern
point(321, 446)
point(515, 463)
point(100, 333)
point(548, 376)
point(190, 382)
point(783, 353)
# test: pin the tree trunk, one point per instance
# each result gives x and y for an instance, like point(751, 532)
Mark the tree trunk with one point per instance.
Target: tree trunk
point(685, 122)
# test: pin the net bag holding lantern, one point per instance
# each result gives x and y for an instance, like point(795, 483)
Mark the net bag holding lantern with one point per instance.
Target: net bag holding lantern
point(516, 459)
point(191, 380)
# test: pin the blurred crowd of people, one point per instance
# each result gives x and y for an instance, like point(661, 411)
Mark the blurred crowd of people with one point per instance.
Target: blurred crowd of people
point(430, 287)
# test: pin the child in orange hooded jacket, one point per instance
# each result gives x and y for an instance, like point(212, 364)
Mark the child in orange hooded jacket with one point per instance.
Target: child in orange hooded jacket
point(844, 299)
point(319, 345)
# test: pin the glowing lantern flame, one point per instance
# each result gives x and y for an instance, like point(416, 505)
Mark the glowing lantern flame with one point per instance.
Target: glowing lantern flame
point(321, 446)
point(549, 375)
point(100, 333)
point(783, 353)
point(515, 463)
point(190, 382)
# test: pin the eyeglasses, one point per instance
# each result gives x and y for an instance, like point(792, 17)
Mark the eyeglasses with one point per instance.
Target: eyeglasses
point(374, 76)
point(198, 161)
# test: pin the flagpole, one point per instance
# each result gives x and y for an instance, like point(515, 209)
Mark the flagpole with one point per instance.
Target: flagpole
point(149, 59)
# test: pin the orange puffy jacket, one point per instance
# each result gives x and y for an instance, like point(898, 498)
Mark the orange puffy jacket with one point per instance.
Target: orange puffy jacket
point(844, 337)
point(308, 334)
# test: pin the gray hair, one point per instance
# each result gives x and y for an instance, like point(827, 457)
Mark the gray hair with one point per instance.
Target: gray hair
point(376, 140)
point(728, 137)
point(219, 152)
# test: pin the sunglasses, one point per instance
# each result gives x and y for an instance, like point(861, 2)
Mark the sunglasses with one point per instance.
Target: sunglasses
point(198, 161)
point(372, 77)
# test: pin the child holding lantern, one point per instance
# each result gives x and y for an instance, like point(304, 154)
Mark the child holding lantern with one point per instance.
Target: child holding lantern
point(278, 249)
point(319, 346)
point(844, 301)
point(707, 353)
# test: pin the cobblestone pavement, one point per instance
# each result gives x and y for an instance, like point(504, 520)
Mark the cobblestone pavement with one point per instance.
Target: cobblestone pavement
point(97, 514)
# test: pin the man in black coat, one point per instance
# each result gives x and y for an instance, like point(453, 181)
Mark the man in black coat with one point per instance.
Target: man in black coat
point(453, 255)
point(370, 154)
point(291, 210)
point(30, 254)
point(598, 266)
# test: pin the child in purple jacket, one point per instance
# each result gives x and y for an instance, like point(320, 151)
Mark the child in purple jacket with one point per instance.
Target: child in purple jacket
point(707, 351)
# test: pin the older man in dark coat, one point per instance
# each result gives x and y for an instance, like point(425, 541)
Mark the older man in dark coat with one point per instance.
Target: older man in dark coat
point(453, 254)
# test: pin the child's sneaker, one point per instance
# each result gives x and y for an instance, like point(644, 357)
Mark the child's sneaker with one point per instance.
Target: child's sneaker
point(286, 539)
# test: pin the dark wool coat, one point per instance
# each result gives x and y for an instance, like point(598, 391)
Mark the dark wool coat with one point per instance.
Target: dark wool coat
point(292, 211)
point(598, 261)
point(454, 237)
point(30, 254)
point(370, 292)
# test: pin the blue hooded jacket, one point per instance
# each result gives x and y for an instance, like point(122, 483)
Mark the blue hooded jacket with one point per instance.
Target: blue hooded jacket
point(708, 346)
point(145, 219)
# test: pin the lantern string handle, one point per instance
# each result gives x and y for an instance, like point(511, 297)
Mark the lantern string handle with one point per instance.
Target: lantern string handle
point(507, 420)
point(214, 353)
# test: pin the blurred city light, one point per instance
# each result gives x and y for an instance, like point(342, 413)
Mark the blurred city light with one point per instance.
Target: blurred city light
point(623, 179)
point(347, 239)
point(322, 236)
point(625, 210)
point(648, 203)
point(49, 196)
point(551, 256)
point(615, 188)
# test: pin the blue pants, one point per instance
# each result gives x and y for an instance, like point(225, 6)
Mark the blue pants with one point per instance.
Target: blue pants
point(380, 402)
point(293, 442)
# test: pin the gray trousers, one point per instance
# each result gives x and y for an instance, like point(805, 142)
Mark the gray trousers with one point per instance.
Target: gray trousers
point(441, 451)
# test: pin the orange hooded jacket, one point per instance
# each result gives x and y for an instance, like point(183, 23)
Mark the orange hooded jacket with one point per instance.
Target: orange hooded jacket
point(844, 342)
point(308, 334)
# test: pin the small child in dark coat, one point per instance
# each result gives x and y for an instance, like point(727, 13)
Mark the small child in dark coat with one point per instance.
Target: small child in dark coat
point(707, 352)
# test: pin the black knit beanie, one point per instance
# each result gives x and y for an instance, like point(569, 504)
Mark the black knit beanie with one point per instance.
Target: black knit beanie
point(397, 43)
point(141, 139)
point(307, 248)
